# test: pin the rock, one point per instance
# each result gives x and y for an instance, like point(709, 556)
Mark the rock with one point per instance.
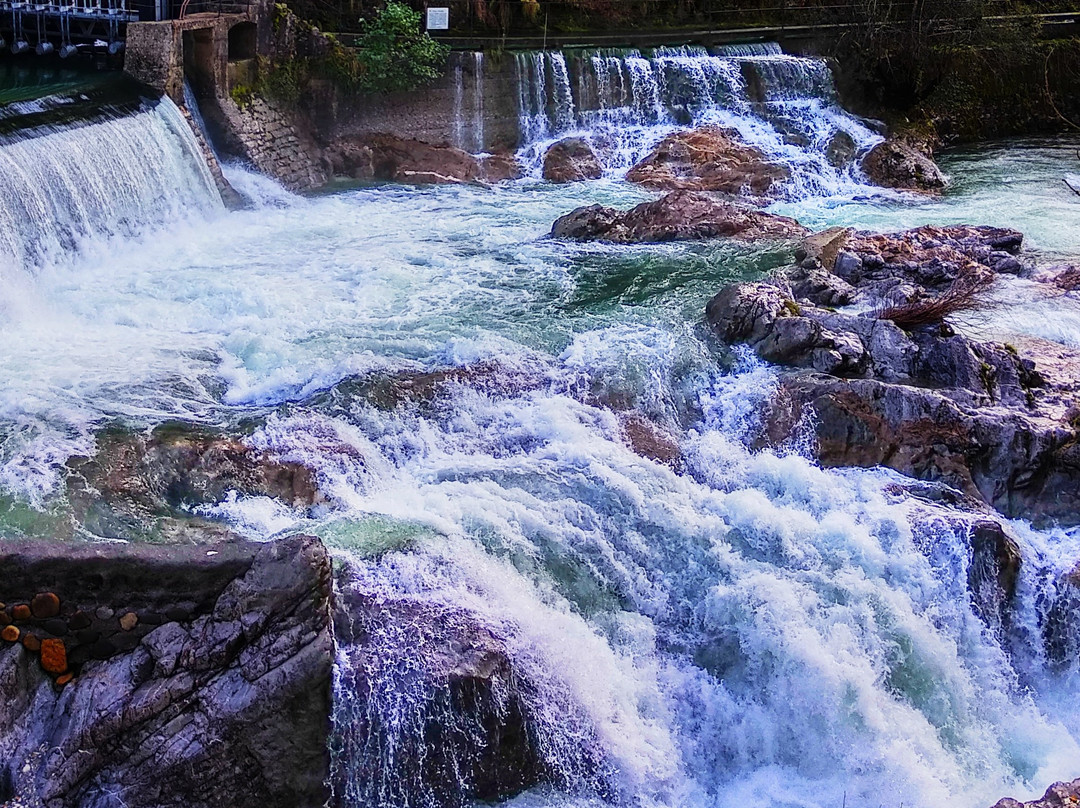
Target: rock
point(10, 634)
point(45, 605)
point(572, 160)
point(20, 612)
point(710, 158)
point(680, 215)
point(896, 164)
point(1066, 278)
point(133, 478)
point(394, 159)
point(238, 695)
point(462, 732)
point(996, 422)
point(32, 643)
point(1059, 795)
point(821, 287)
point(994, 571)
point(841, 150)
point(54, 656)
point(427, 388)
point(129, 621)
point(1020, 464)
point(824, 246)
point(647, 439)
point(500, 167)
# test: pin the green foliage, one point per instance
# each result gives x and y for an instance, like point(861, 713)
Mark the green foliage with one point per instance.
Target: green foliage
point(284, 81)
point(393, 53)
point(242, 94)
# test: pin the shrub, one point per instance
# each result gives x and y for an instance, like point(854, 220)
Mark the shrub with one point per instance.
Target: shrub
point(393, 53)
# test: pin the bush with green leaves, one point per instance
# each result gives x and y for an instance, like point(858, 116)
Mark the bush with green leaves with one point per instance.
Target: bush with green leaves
point(394, 53)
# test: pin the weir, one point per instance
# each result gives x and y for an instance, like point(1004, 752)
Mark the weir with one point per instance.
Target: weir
point(70, 183)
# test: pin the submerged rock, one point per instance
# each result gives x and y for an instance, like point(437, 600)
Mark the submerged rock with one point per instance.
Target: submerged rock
point(224, 702)
point(572, 160)
point(710, 158)
point(896, 164)
point(134, 478)
point(678, 216)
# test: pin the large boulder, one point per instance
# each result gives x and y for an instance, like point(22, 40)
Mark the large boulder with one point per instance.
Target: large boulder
point(897, 164)
point(433, 695)
point(572, 160)
point(711, 158)
point(196, 677)
point(394, 159)
point(678, 216)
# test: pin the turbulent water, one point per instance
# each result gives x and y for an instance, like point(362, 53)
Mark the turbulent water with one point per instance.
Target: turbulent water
point(749, 629)
point(625, 102)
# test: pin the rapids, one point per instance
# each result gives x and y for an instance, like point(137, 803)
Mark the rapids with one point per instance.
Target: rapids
point(748, 629)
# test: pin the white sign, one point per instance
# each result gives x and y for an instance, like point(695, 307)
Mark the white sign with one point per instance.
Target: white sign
point(438, 19)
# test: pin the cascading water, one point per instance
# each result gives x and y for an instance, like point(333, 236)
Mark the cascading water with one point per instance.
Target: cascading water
point(68, 184)
point(626, 102)
point(468, 71)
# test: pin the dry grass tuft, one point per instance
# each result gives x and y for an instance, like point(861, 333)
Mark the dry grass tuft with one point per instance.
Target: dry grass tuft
point(970, 292)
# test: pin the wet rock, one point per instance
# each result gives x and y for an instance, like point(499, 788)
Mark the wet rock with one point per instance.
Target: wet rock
point(896, 164)
point(678, 216)
point(994, 571)
point(1066, 278)
point(710, 158)
point(648, 440)
point(427, 388)
point(572, 160)
point(1059, 795)
point(1021, 464)
point(238, 695)
point(499, 167)
point(463, 733)
point(133, 478)
point(393, 159)
point(994, 421)
point(841, 150)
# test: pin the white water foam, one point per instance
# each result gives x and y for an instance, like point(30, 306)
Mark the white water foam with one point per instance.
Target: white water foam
point(626, 103)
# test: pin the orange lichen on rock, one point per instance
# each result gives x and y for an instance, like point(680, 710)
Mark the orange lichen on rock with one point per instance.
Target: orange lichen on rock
point(21, 612)
point(10, 634)
point(63, 680)
point(45, 605)
point(31, 642)
point(54, 656)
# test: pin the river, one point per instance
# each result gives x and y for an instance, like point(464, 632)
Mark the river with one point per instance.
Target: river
point(745, 629)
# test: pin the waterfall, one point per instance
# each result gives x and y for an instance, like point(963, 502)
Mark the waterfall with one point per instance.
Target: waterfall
point(65, 185)
point(625, 102)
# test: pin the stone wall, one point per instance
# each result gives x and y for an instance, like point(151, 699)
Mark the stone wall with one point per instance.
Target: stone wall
point(274, 142)
point(459, 109)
